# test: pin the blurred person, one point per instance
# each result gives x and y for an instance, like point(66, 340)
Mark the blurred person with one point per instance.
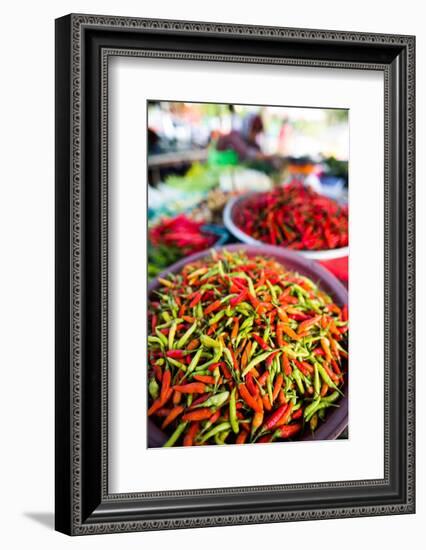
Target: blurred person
point(245, 141)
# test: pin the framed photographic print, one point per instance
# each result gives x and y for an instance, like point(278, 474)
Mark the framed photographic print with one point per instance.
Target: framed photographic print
point(234, 274)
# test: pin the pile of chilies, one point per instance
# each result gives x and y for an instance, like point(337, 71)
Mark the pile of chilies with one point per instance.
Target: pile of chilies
point(242, 351)
point(294, 216)
point(181, 232)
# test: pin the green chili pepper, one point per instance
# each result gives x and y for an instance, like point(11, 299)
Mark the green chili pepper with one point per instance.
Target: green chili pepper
point(311, 408)
point(298, 379)
point(216, 400)
point(194, 361)
point(166, 316)
point(256, 360)
point(153, 388)
point(326, 378)
point(313, 423)
point(183, 340)
point(176, 363)
point(269, 387)
point(216, 318)
point(317, 383)
point(172, 333)
point(332, 397)
point(175, 435)
point(155, 340)
point(216, 429)
point(233, 412)
point(322, 405)
point(162, 337)
point(209, 342)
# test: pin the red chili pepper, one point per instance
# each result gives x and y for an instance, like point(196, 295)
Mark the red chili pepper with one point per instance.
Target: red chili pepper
point(286, 365)
point(288, 430)
point(212, 307)
point(238, 299)
point(274, 417)
point(251, 385)
point(167, 377)
point(192, 387)
point(175, 353)
point(261, 342)
point(196, 299)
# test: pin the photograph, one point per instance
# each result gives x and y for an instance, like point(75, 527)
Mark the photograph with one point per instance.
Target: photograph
point(248, 246)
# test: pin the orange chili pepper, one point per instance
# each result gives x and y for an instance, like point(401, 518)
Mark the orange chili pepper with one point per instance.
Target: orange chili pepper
point(241, 438)
point(212, 307)
point(277, 386)
point(290, 332)
point(188, 440)
point(204, 378)
point(198, 414)
point(174, 413)
point(192, 387)
point(248, 398)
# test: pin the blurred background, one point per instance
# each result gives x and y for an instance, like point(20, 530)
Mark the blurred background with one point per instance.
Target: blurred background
point(201, 155)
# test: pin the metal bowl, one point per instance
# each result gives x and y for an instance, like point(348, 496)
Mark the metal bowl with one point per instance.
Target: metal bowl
point(228, 220)
point(337, 419)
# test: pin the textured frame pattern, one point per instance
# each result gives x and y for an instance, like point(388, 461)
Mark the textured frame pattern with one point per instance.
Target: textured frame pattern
point(78, 23)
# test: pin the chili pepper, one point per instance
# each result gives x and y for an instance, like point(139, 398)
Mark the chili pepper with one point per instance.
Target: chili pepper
point(297, 414)
point(261, 342)
point(265, 438)
point(277, 386)
point(153, 388)
point(233, 412)
point(286, 416)
point(217, 429)
point(188, 440)
point(305, 325)
point(266, 402)
point(198, 414)
point(216, 400)
point(290, 332)
point(174, 413)
point(175, 435)
point(209, 342)
point(175, 353)
point(253, 389)
point(251, 401)
point(256, 422)
point(197, 297)
point(287, 431)
point(182, 341)
point(241, 438)
point(212, 307)
point(240, 298)
point(274, 418)
point(167, 377)
point(192, 387)
point(286, 364)
point(255, 361)
point(326, 347)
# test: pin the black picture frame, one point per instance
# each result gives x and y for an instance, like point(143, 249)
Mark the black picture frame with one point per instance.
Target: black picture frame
point(83, 46)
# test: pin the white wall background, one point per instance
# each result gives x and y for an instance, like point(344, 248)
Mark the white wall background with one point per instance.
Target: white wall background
point(27, 263)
